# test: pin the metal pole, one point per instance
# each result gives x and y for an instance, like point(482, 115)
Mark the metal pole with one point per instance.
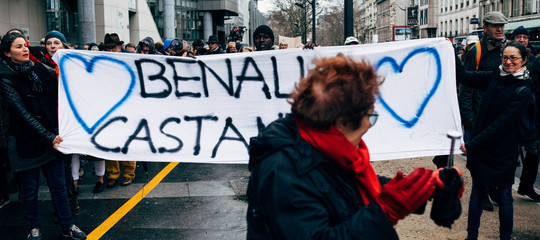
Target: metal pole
point(305, 23)
point(453, 135)
point(313, 30)
point(348, 17)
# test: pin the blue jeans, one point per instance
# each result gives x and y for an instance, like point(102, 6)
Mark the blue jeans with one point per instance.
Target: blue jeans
point(29, 185)
point(506, 210)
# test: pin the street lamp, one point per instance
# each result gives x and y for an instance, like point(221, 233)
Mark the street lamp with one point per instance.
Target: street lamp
point(313, 22)
point(303, 6)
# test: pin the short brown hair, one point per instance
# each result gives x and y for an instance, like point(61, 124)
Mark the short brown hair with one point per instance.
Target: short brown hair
point(337, 87)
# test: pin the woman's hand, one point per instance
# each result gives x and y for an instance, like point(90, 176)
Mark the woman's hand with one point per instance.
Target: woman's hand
point(462, 148)
point(57, 140)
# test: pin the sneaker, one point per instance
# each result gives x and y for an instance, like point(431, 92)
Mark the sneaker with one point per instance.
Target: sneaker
point(34, 234)
point(75, 233)
point(4, 201)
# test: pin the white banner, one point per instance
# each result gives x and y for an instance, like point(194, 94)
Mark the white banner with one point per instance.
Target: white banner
point(122, 106)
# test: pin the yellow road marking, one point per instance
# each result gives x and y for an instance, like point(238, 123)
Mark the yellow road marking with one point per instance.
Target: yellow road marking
point(122, 211)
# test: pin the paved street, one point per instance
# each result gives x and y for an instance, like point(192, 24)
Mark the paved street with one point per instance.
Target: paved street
point(207, 201)
point(194, 201)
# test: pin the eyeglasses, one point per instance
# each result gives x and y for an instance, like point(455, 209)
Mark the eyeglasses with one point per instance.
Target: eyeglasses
point(525, 37)
point(373, 117)
point(512, 58)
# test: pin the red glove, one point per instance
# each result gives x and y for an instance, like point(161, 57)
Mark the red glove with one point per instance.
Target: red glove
point(402, 196)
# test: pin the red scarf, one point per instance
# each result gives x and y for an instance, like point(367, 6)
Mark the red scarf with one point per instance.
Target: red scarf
point(50, 62)
point(333, 145)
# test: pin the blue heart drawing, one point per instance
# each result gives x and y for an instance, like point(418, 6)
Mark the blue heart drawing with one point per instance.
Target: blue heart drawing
point(398, 69)
point(90, 68)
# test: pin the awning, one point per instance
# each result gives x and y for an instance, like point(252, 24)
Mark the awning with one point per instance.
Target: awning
point(532, 24)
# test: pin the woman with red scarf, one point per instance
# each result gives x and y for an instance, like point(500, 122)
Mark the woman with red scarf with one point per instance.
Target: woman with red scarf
point(54, 41)
point(311, 176)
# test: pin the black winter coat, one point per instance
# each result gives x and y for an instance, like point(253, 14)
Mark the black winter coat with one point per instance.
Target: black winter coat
point(294, 193)
point(469, 99)
point(33, 117)
point(492, 151)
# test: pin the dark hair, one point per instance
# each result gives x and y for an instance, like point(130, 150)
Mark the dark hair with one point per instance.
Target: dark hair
point(18, 30)
point(7, 40)
point(197, 43)
point(336, 88)
point(201, 51)
point(522, 49)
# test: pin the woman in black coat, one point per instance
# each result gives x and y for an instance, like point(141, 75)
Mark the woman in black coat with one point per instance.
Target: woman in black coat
point(492, 151)
point(311, 177)
point(29, 93)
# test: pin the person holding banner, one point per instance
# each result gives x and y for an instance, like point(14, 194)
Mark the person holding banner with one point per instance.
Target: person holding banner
point(311, 176)
point(29, 93)
point(263, 38)
point(146, 46)
point(492, 150)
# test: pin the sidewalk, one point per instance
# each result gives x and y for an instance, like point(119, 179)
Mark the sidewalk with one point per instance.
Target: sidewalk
point(526, 212)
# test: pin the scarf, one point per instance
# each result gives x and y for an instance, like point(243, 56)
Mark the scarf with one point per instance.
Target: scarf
point(521, 74)
point(498, 43)
point(26, 70)
point(49, 61)
point(333, 145)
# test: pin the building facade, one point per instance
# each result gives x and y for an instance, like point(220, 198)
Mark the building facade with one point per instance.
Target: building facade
point(441, 18)
point(85, 21)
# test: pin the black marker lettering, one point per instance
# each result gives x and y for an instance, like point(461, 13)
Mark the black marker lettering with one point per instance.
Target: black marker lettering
point(261, 125)
point(142, 124)
point(93, 138)
point(301, 62)
point(166, 92)
point(241, 78)
point(229, 124)
point(276, 80)
point(180, 143)
point(228, 86)
point(199, 119)
point(179, 78)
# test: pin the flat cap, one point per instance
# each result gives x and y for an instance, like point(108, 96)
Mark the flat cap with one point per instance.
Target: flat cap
point(495, 17)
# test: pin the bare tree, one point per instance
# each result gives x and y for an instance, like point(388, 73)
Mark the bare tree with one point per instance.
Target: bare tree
point(331, 29)
point(288, 18)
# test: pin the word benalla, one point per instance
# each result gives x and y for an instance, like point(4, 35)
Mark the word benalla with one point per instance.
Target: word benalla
point(163, 85)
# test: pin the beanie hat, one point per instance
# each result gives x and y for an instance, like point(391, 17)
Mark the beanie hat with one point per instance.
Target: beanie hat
point(55, 34)
point(520, 30)
point(264, 29)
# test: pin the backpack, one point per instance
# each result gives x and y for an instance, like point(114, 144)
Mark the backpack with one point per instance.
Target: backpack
point(527, 126)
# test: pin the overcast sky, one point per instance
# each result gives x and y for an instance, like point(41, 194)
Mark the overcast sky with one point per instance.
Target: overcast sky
point(265, 5)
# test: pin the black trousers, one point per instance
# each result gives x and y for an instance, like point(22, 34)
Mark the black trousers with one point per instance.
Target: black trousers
point(529, 170)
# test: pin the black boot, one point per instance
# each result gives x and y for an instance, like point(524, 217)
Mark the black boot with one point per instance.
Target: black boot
point(529, 192)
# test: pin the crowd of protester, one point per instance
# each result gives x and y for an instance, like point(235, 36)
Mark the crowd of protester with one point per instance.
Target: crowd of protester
point(29, 122)
point(28, 77)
